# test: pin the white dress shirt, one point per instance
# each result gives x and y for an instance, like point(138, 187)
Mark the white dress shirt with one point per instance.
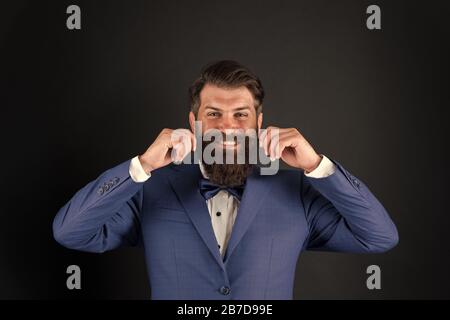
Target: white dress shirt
point(223, 206)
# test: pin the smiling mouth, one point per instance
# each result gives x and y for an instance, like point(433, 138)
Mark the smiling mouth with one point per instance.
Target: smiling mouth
point(230, 144)
point(227, 144)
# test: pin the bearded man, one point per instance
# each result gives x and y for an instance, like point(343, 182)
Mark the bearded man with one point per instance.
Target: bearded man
point(221, 229)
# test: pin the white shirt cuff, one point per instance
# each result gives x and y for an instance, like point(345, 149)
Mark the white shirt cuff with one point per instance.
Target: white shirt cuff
point(324, 169)
point(138, 173)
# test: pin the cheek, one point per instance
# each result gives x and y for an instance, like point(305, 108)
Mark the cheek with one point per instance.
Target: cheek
point(209, 124)
point(249, 124)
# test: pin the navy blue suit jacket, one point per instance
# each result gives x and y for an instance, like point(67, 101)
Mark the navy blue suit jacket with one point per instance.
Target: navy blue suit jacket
point(279, 216)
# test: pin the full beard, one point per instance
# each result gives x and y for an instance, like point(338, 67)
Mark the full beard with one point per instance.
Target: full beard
point(225, 174)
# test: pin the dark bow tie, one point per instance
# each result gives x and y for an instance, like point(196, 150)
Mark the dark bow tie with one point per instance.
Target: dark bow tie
point(209, 189)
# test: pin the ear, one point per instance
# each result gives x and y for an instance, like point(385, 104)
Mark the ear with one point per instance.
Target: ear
point(192, 121)
point(260, 120)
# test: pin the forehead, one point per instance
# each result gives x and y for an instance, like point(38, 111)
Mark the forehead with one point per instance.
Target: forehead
point(223, 97)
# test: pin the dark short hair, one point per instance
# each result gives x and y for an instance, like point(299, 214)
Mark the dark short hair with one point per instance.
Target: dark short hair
point(226, 74)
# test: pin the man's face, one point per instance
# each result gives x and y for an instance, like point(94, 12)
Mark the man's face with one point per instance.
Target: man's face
point(231, 112)
point(226, 109)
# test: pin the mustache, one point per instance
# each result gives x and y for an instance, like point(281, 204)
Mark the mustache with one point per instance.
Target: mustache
point(214, 135)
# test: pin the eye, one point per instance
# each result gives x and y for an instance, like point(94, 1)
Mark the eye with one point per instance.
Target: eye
point(213, 114)
point(241, 115)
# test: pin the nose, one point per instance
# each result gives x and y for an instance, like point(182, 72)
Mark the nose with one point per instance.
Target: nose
point(228, 122)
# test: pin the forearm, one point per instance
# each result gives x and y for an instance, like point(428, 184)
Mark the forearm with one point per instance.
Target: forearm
point(81, 223)
point(366, 226)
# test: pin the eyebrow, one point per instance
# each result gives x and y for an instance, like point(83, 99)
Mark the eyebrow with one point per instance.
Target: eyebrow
point(235, 109)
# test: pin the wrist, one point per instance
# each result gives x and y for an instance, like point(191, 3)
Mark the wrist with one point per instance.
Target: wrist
point(146, 165)
point(314, 164)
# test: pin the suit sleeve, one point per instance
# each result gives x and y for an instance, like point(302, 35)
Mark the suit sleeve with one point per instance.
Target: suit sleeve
point(103, 215)
point(344, 216)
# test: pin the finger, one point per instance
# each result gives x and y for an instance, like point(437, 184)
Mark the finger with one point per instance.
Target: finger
point(181, 135)
point(266, 141)
point(273, 140)
point(178, 152)
point(274, 147)
point(174, 153)
point(185, 148)
point(193, 141)
point(186, 138)
point(281, 147)
point(287, 142)
point(288, 134)
point(176, 138)
point(262, 138)
point(189, 143)
point(163, 139)
point(289, 137)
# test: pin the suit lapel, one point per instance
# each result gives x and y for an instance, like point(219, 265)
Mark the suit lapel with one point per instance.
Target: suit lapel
point(256, 190)
point(185, 185)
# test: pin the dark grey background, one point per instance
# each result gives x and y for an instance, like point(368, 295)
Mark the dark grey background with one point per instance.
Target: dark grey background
point(75, 103)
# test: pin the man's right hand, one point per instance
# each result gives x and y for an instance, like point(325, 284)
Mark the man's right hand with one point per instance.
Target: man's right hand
point(169, 146)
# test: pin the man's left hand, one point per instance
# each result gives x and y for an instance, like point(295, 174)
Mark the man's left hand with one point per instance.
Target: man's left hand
point(289, 145)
